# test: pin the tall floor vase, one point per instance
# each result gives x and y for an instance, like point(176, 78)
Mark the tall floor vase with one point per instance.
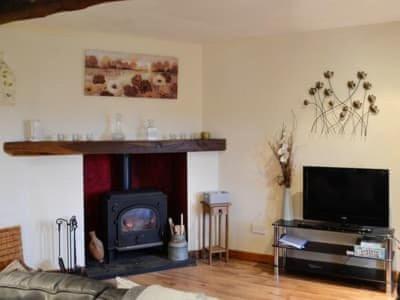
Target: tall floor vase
point(287, 207)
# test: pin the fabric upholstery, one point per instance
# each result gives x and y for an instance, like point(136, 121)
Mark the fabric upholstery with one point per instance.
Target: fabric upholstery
point(55, 286)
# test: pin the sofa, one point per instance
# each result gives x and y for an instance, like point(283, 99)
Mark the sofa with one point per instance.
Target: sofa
point(53, 286)
point(39, 285)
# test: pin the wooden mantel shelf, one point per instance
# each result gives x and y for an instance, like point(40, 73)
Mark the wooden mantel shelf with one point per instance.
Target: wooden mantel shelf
point(112, 147)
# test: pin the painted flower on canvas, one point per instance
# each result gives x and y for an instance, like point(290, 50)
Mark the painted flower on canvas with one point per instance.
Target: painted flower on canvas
point(130, 75)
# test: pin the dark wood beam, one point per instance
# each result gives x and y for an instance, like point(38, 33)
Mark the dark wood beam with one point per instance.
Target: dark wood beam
point(112, 147)
point(14, 10)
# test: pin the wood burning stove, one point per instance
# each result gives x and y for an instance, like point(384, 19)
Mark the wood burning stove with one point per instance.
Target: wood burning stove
point(134, 220)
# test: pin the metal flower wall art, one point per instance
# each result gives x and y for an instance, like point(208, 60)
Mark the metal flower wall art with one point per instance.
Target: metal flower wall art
point(334, 115)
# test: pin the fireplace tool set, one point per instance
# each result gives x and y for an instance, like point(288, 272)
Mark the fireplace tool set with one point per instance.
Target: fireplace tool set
point(68, 265)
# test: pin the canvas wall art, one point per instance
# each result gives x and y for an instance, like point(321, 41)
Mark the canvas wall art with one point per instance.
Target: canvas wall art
point(130, 75)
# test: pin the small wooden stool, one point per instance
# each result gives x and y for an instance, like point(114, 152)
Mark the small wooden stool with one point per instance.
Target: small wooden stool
point(216, 211)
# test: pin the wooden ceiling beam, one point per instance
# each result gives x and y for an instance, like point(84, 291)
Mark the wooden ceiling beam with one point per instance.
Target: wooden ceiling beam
point(15, 10)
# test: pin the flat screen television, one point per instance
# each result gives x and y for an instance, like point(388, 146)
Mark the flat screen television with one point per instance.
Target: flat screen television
point(346, 195)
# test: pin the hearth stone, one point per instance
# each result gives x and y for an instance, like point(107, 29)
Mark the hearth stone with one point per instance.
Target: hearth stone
point(133, 266)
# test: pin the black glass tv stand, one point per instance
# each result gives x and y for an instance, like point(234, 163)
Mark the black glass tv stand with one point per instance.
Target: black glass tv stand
point(282, 262)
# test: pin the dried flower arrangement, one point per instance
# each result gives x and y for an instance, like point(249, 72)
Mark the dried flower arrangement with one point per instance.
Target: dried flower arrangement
point(282, 149)
point(7, 83)
point(333, 115)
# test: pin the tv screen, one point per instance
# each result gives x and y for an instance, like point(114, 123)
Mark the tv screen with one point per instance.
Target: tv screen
point(352, 196)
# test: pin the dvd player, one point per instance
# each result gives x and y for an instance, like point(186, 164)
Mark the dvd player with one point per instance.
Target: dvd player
point(335, 227)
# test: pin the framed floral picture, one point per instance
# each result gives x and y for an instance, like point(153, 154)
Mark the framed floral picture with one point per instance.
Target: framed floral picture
point(116, 74)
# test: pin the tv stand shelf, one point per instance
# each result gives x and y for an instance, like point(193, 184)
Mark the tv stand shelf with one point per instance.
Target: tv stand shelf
point(328, 269)
point(337, 227)
point(326, 248)
point(336, 271)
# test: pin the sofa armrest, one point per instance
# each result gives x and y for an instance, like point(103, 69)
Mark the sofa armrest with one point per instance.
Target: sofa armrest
point(48, 285)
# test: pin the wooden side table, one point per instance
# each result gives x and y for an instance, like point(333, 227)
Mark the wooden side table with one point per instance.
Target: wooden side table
point(216, 211)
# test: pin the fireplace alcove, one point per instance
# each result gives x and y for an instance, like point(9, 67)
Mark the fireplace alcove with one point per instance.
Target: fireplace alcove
point(160, 165)
point(165, 173)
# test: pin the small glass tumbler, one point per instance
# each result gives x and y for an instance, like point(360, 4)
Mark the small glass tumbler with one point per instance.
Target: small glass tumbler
point(89, 137)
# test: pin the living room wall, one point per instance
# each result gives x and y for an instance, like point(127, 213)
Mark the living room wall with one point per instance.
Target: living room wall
point(49, 64)
point(249, 87)
point(252, 85)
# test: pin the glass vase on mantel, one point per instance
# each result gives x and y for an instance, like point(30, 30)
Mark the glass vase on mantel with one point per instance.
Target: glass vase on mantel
point(287, 206)
point(118, 134)
point(151, 131)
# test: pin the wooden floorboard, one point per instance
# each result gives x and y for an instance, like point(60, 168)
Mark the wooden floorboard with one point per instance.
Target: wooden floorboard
point(249, 280)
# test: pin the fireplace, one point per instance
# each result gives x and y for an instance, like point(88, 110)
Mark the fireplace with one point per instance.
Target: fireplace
point(181, 169)
point(134, 220)
point(128, 199)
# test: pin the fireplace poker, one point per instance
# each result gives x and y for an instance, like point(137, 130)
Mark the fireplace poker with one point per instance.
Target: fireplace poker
point(60, 259)
point(74, 224)
point(68, 247)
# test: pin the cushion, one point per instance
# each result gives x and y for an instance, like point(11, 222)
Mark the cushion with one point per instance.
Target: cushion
point(156, 292)
point(15, 265)
point(47, 285)
point(123, 283)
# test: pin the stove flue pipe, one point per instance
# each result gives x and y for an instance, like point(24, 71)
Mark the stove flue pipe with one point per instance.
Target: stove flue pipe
point(126, 172)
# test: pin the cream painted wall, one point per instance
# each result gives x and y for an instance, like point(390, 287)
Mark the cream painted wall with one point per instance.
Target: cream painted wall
point(203, 176)
point(48, 64)
point(250, 88)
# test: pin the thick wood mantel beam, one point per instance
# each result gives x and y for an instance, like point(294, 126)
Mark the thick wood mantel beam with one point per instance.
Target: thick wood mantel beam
point(14, 10)
point(113, 147)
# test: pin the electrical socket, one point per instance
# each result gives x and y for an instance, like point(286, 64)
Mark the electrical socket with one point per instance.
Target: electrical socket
point(258, 228)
